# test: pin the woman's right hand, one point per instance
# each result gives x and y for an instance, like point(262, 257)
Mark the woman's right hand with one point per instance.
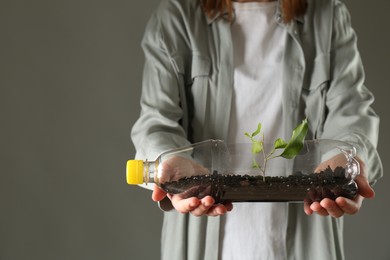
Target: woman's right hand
point(193, 205)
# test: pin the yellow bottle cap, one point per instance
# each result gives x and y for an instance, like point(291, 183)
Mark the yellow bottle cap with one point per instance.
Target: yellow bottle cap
point(135, 172)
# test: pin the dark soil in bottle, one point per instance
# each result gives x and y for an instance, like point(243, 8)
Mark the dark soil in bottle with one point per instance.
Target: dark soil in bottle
point(244, 188)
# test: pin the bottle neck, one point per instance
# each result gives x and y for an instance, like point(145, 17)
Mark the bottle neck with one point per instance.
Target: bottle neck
point(150, 171)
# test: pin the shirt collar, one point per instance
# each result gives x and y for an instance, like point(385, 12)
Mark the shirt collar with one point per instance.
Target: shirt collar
point(278, 16)
point(217, 16)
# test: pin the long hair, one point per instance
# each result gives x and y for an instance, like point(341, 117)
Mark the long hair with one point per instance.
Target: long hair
point(290, 8)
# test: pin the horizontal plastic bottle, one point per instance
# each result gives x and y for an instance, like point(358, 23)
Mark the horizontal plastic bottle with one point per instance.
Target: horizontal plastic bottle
point(323, 169)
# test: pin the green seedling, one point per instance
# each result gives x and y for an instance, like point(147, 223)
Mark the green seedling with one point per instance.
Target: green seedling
point(288, 150)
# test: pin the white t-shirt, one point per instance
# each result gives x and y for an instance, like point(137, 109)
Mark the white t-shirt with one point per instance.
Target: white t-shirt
point(256, 230)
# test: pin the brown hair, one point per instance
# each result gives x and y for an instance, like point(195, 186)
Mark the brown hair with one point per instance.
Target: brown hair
point(290, 8)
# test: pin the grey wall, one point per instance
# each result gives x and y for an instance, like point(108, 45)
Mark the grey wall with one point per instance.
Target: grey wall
point(367, 234)
point(70, 73)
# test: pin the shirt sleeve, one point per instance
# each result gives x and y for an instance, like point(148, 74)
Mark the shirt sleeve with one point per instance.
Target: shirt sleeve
point(158, 127)
point(350, 116)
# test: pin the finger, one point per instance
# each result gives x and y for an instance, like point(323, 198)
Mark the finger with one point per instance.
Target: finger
point(364, 188)
point(350, 207)
point(219, 209)
point(204, 206)
point(318, 209)
point(216, 210)
point(332, 208)
point(184, 205)
point(306, 207)
point(229, 206)
point(158, 194)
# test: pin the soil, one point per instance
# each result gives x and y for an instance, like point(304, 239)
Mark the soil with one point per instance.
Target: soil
point(244, 188)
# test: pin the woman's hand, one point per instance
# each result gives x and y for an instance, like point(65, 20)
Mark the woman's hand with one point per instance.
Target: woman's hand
point(193, 205)
point(176, 168)
point(340, 206)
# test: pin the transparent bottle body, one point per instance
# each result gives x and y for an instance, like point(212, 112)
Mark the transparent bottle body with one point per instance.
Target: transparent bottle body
point(323, 169)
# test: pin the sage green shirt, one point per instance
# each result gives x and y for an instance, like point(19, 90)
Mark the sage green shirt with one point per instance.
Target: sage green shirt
point(186, 97)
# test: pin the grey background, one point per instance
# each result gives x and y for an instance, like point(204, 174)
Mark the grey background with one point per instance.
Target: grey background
point(70, 75)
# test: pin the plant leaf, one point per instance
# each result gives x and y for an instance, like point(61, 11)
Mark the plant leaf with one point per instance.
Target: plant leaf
point(280, 143)
point(257, 147)
point(295, 145)
point(255, 165)
point(257, 130)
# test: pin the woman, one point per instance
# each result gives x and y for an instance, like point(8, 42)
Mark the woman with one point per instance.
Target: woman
point(215, 67)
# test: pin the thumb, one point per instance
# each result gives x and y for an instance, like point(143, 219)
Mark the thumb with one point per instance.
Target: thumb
point(158, 194)
point(365, 188)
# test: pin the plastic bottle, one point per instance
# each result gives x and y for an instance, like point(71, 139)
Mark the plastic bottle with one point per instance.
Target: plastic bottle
point(323, 169)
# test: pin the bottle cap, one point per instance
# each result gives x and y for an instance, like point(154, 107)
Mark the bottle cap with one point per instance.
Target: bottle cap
point(135, 172)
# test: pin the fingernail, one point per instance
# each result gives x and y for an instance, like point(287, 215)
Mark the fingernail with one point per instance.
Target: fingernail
point(194, 204)
point(206, 204)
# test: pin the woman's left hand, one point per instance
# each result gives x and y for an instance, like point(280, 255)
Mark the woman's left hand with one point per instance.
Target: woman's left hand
point(340, 206)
